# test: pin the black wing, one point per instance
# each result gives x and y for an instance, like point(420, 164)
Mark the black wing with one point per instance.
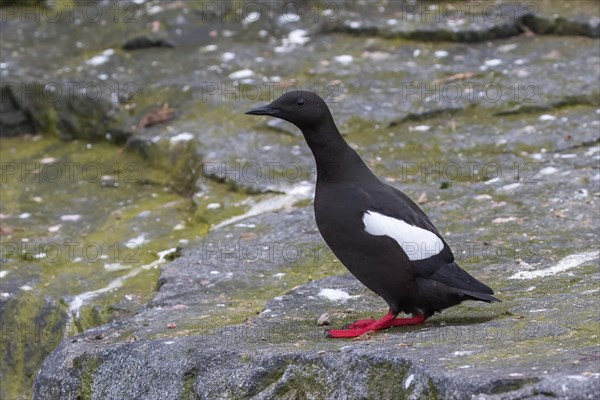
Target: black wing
point(393, 203)
point(440, 267)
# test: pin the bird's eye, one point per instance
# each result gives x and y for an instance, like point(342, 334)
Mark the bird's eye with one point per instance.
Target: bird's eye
point(300, 102)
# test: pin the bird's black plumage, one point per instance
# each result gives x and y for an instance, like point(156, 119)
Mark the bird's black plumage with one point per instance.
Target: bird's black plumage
point(349, 198)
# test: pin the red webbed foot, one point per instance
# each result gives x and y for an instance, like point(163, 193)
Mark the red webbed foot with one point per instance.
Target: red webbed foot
point(415, 320)
point(369, 325)
point(358, 324)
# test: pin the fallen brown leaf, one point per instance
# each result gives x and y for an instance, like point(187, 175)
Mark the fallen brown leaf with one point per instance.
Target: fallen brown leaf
point(157, 116)
point(456, 77)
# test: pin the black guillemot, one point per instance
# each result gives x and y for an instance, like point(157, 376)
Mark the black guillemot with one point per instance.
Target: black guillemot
point(384, 239)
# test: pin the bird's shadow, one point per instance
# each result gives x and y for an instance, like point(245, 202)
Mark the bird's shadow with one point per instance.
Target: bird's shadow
point(441, 320)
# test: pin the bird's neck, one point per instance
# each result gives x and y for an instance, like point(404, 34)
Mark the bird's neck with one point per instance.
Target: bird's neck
point(335, 159)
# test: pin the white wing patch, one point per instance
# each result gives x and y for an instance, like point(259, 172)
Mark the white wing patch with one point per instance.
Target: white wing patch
point(417, 243)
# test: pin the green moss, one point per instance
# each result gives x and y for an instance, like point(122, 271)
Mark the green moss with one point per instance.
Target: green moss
point(306, 383)
point(273, 375)
point(182, 161)
point(86, 366)
point(231, 203)
point(249, 303)
point(49, 120)
point(528, 343)
point(246, 302)
point(385, 144)
point(386, 380)
point(433, 393)
point(303, 203)
point(21, 3)
point(32, 326)
point(139, 200)
point(188, 392)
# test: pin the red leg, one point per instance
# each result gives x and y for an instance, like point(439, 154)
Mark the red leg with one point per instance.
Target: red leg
point(378, 325)
point(416, 320)
point(361, 323)
point(370, 325)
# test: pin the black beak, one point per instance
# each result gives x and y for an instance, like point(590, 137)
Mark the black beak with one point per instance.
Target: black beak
point(263, 110)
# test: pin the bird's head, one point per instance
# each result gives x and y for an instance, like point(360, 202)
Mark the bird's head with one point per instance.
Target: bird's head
point(304, 109)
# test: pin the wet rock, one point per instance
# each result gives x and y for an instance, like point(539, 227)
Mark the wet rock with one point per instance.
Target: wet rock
point(14, 120)
point(464, 22)
point(33, 107)
point(555, 18)
point(531, 150)
point(486, 351)
point(32, 326)
point(145, 42)
point(507, 348)
point(458, 22)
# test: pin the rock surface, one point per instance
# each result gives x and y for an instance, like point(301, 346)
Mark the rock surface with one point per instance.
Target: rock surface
point(184, 345)
point(491, 122)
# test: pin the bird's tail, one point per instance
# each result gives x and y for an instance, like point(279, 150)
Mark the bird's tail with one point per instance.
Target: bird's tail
point(480, 296)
